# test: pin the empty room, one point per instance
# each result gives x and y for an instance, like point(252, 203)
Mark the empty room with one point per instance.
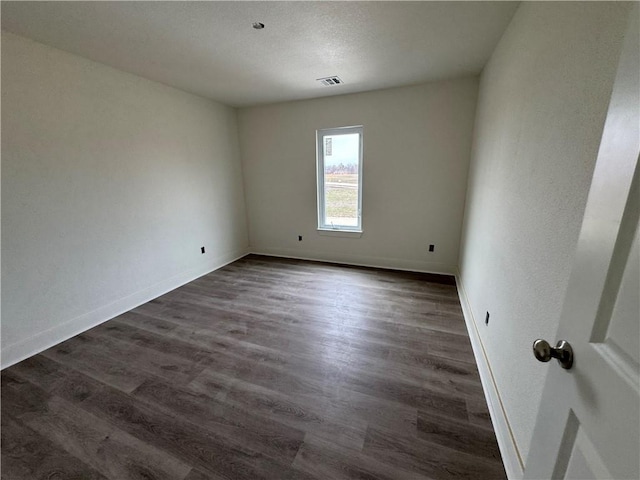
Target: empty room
point(320, 240)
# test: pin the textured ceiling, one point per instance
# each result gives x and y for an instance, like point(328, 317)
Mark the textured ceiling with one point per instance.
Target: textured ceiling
point(211, 49)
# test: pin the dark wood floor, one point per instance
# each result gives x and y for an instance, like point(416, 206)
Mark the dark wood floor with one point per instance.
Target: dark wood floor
point(265, 369)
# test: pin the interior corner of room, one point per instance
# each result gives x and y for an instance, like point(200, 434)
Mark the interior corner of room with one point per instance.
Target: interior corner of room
point(117, 189)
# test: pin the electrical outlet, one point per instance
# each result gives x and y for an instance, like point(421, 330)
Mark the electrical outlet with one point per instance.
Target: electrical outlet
point(299, 238)
point(201, 249)
point(432, 247)
point(486, 319)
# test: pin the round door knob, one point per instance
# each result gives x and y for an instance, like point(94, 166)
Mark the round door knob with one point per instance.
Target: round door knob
point(542, 350)
point(562, 352)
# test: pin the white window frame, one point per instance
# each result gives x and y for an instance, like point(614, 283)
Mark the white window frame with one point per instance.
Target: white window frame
point(320, 134)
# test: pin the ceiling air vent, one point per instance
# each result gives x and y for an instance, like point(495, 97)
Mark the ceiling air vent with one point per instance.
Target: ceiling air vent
point(330, 81)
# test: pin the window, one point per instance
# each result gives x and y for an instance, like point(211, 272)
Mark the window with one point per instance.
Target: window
point(339, 157)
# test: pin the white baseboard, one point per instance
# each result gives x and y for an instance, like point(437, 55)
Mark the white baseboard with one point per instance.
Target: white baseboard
point(360, 260)
point(511, 457)
point(41, 341)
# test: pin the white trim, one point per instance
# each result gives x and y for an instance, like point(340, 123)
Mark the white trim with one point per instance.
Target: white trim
point(360, 260)
point(511, 457)
point(41, 341)
point(339, 233)
point(320, 144)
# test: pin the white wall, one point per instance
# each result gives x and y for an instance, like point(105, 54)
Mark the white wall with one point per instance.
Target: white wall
point(110, 186)
point(416, 153)
point(542, 104)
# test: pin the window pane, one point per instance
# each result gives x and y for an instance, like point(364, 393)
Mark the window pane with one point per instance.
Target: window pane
point(341, 158)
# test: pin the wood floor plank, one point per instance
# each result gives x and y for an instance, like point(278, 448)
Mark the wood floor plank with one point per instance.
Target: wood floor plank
point(101, 446)
point(322, 459)
point(196, 474)
point(277, 334)
point(97, 364)
point(373, 410)
point(160, 343)
point(39, 370)
point(56, 378)
point(408, 394)
point(459, 435)
point(435, 380)
point(27, 455)
point(189, 442)
point(257, 433)
point(359, 405)
point(479, 412)
point(20, 398)
point(105, 448)
point(304, 414)
point(267, 368)
point(162, 364)
point(429, 459)
point(456, 380)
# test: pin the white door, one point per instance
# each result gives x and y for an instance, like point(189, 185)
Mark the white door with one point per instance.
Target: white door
point(588, 426)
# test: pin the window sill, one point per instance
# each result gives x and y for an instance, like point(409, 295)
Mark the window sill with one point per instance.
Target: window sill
point(329, 232)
